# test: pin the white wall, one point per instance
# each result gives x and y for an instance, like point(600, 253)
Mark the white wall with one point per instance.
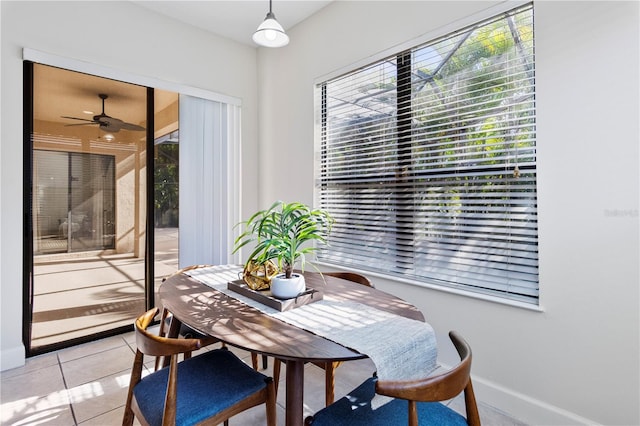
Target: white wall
point(576, 360)
point(118, 35)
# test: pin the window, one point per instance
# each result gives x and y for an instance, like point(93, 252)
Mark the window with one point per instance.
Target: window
point(427, 162)
point(74, 199)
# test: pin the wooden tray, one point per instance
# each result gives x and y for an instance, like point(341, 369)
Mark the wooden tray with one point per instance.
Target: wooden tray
point(266, 298)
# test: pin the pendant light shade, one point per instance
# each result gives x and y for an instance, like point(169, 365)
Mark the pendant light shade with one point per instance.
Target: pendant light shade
point(270, 33)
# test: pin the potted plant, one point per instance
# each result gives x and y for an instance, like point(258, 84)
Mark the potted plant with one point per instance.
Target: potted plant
point(283, 234)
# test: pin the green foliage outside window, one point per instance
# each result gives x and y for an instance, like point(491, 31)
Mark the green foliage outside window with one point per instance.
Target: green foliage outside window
point(166, 185)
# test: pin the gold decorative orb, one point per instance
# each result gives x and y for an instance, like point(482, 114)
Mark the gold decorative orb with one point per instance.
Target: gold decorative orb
point(258, 277)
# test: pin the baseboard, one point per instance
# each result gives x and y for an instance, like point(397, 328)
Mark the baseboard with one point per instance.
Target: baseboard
point(522, 407)
point(12, 358)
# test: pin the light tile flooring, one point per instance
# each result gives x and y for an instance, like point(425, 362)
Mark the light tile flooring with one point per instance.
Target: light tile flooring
point(87, 385)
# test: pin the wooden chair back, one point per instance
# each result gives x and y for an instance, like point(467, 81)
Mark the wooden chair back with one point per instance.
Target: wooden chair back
point(150, 344)
point(350, 276)
point(440, 387)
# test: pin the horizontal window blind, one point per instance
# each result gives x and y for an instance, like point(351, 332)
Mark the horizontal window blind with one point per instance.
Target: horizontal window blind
point(428, 162)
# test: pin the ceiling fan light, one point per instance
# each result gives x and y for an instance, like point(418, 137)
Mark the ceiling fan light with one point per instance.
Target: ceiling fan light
point(270, 33)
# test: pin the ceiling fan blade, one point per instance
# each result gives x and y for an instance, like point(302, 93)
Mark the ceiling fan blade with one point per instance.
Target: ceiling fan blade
point(76, 118)
point(130, 126)
point(80, 124)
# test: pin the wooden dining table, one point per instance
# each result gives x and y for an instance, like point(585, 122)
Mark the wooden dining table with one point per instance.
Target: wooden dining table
point(214, 313)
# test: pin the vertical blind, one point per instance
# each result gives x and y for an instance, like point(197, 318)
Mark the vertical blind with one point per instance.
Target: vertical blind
point(428, 162)
point(209, 184)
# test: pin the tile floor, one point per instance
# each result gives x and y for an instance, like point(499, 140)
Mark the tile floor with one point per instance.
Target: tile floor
point(87, 385)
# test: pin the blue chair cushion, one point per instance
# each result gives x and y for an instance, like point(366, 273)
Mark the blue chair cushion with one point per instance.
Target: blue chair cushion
point(355, 409)
point(207, 384)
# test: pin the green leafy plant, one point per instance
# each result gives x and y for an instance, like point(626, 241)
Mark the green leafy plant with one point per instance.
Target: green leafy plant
point(281, 233)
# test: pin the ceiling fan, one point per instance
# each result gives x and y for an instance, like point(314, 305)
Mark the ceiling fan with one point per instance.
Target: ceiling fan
point(106, 123)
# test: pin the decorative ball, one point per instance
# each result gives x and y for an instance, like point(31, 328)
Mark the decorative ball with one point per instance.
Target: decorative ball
point(258, 276)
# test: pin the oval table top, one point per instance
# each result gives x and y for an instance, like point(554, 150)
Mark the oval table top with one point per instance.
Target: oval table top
point(216, 314)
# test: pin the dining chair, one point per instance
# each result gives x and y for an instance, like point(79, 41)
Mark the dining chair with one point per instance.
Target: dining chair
point(188, 332)
point(328, 367)
point(205, 389)
point(414, 402)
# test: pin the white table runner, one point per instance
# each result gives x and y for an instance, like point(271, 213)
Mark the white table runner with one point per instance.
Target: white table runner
point(401, 348)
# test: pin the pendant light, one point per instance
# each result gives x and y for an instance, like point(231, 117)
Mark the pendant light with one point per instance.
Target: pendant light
point(270, 33)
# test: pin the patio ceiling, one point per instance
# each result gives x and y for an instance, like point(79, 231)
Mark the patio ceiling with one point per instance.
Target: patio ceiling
point(61, 93)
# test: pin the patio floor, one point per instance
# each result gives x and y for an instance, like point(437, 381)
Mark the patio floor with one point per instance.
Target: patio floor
point(80, 294)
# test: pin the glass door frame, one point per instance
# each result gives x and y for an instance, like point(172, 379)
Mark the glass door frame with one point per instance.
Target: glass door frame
point(28, 248)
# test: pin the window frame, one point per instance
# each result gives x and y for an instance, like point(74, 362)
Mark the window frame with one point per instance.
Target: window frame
point(321, 120)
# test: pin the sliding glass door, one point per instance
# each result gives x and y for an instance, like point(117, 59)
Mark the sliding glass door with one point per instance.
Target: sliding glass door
point(107, 166)
point(73, 202)
point(88, 209)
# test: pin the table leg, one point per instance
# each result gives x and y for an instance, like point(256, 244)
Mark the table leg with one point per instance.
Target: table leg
point(295, 394)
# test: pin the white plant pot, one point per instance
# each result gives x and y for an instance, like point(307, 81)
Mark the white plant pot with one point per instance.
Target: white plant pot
point(287, 288)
